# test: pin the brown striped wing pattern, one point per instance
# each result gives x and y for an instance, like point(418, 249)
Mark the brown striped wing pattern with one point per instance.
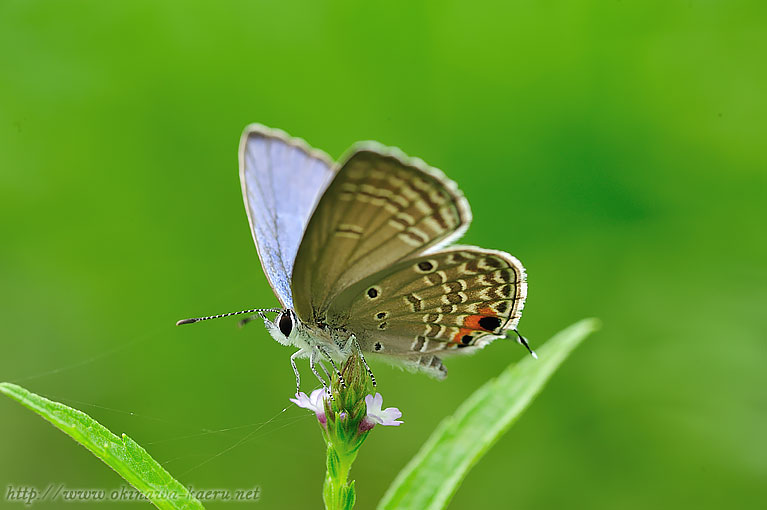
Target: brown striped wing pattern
point(434, 305)
point(381, 207)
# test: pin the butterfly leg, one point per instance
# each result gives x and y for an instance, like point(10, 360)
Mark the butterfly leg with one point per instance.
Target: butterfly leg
point(352, 342)
point(293, 357)
point(324, 370)
point(313, 366)
point(333, 363)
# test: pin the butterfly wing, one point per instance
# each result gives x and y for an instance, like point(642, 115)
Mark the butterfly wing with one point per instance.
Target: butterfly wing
point(380, 208)
point(282, 179)
point(447, 302)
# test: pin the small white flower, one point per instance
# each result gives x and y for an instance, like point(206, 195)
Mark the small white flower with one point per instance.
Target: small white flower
point(375, 415)
point(315, 402)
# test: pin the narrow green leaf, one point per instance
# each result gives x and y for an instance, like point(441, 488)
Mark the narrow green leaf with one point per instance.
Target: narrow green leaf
point(350, 497)
point(333, 462)
point(122, 454)
point(431, 478)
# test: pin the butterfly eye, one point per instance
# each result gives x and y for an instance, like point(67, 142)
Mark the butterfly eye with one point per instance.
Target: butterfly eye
point(285, 323)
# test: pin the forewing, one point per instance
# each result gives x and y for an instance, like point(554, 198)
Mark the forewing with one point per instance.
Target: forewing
point(439, 304)
point(381, 207)
point(282, 179)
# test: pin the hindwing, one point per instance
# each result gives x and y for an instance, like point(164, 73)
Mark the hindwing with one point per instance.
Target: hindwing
point(446, 302)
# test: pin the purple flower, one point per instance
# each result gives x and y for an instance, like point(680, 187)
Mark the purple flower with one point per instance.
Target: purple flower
point(375, 415)
point(315, 402)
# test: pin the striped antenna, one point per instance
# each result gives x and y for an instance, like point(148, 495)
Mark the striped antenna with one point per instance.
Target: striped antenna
point(198, 319)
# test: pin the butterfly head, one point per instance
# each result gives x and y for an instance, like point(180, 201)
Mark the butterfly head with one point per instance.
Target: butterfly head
point(284, 329)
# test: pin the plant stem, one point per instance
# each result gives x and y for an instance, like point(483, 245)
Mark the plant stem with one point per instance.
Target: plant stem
point(338, 493)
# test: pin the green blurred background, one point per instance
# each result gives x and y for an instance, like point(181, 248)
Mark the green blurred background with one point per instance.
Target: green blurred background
point(617, 148)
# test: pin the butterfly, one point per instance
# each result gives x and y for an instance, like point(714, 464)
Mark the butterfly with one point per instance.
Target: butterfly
point(358, 254)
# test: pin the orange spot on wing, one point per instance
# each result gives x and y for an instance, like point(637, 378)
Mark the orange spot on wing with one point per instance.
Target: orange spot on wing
point(471, 323)
point(460, 334)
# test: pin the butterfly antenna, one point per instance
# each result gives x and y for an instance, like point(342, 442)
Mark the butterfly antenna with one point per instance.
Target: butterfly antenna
point(522, 340)
point(198, 319)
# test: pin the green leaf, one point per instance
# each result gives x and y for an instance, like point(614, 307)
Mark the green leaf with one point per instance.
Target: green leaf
point(122, 454)
point(350, 497)
point(431, 478)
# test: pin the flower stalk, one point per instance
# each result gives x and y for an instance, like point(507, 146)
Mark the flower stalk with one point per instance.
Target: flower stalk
point(343, 435)
point(345, 420)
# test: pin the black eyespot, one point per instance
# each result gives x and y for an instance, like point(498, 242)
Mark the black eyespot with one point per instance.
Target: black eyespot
point(466, 339)
point(378, 346)
point(285, 324)
point(372, 293)
point(425, 266)
point(383, 325)
point(490, 323)
point(381, 315)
